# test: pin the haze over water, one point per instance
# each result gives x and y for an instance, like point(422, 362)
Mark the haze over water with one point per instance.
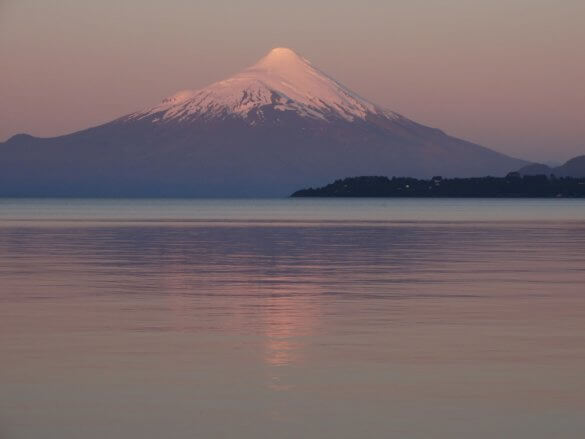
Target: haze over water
point(292, 318)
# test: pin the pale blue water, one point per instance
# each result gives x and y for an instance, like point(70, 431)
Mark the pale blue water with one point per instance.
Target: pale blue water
point(292, 318)
point(294, 209)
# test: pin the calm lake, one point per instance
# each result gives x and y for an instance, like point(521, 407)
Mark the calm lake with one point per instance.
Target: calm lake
point(292, 318)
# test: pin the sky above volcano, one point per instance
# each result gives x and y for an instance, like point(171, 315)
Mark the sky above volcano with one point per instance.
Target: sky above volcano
point(506, 74)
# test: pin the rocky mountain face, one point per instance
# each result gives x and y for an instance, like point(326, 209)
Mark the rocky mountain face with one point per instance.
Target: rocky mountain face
point(274, 127)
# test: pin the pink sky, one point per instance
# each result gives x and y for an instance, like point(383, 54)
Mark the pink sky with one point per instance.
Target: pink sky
point(504, 73)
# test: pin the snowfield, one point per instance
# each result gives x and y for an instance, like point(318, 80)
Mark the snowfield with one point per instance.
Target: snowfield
point(281, 79)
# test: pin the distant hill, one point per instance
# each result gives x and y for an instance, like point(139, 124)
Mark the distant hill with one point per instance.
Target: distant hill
point(511, 186)
point(573, 168)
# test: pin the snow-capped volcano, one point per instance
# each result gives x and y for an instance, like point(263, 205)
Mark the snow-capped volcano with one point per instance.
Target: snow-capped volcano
point(282, 79)
point(275, 127)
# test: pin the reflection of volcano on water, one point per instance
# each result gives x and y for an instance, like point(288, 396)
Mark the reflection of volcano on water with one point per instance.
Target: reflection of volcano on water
point(287, 320)
point(282, 310)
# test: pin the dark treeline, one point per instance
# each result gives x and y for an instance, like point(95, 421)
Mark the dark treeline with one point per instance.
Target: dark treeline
point(511, 186)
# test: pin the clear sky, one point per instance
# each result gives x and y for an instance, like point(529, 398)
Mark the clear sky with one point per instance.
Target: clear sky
point(509, 74)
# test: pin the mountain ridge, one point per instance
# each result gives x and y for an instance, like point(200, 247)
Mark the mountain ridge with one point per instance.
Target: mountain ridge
point(275, 126)
point(574, 167)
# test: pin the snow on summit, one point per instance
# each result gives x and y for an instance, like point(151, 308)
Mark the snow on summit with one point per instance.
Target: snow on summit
point(282, 79)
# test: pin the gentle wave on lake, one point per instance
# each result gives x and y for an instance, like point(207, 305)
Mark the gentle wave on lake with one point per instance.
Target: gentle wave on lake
point(292, 318)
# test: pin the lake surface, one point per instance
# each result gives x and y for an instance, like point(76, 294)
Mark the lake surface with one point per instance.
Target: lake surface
point(301, 318)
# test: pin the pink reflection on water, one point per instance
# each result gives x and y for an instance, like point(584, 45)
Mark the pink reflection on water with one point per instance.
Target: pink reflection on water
point(289, 317)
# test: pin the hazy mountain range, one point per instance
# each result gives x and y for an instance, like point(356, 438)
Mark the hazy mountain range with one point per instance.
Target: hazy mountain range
point(277, 126)
point(572, 168)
